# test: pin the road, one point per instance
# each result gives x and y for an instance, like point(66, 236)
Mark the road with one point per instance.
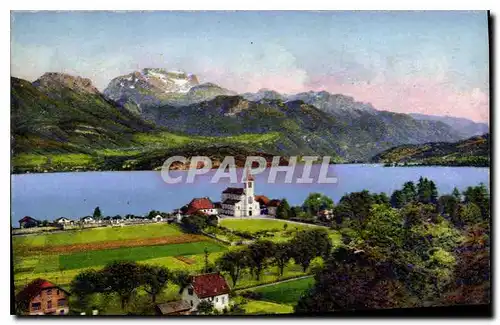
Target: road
point(275, 283)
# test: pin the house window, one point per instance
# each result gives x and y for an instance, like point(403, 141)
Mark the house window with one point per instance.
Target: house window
point(216, 299)
point(190, 291)
point(249, 184)
point(191, 303)
point(61, 302)
point(49, 292)
point(58, 292)
point(49, 304)
point(223, 299)
point(36, 306)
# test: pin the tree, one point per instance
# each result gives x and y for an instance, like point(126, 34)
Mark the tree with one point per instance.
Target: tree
point(456, 194)
point(448, 205)
point(469, 214)
point(205, 307)
point(398, 199)
point(97, 214)
point(85, 284)
point(381, 198)
point(426, 191)
point(283, 211)
point(257, 255)
point(155, 279)
point(410, 192)
point(282, 255)
point(434, 192)
point(233, 263)
point(316, 202)
point(383, 227)
point(357, 205)
point(480, 196)
point(181, 278)
point(308, 244)
point(194, 223)
point(122, 278)
point(353, 280)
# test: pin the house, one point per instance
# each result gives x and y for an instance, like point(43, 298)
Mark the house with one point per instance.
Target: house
point(88, 220)
point(240, 202)
point(158, 218)
point(179, 307)
point(325, 214)
point(63, 221)
point(42, 297)
point(28, 222)
point(272, 207)
point(203, 205)
point(210, 287)
point(263, 202)
point(218, 207)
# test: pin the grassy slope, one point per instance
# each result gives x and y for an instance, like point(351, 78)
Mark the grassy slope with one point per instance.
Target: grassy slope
point(255, 225)
point(97, 235)
point(61, 129)
point(471, 152)
point(285, 293)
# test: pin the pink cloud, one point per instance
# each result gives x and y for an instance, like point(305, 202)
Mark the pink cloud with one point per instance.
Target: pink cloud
point(415, 95)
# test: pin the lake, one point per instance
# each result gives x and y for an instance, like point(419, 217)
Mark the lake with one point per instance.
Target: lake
point(52, 195)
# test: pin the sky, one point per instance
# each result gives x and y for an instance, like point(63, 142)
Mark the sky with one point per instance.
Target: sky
point(409, 62)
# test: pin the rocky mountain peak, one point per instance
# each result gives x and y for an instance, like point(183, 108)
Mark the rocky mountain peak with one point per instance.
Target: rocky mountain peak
point(51, 81)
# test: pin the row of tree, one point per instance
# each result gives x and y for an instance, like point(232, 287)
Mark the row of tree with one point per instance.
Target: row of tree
point(124, 278)
point(254, 258)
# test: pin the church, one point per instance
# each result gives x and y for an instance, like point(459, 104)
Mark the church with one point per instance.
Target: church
point(240, 202)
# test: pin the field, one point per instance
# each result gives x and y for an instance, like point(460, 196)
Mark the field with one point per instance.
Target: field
point(59, 257)
point(102, 257)
point(97, 235)
point(256, 225)
point(258, 307)
point(287, 292)
point(276, 228)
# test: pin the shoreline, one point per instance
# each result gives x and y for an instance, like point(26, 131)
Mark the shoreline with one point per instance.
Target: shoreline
point(215, 168)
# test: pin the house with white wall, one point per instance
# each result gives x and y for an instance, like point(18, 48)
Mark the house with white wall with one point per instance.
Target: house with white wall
point(63, 221)
point(210, 287)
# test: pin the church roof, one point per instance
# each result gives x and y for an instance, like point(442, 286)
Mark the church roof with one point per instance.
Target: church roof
point(234, 190)
point(230, 201)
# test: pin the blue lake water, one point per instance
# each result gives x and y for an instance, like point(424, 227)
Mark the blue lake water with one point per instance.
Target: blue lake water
point(51, 195)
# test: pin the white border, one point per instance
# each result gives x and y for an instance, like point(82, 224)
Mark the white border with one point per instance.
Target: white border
point(186, 5)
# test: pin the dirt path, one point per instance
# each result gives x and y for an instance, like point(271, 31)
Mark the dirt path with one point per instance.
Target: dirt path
point(275, 283)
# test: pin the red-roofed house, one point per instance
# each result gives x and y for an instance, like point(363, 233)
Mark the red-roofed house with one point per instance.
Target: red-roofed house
point(272, 207)
point(210, 287)
point(201, 205)
point(28, 222)
point(42, 297)
point(263, 200)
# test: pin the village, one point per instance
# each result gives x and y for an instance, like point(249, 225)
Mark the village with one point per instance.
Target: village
point(43, 297)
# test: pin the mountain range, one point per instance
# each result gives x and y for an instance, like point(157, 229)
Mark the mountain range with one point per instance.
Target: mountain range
point(152, 110)
point(463, 126)
point(474, 151)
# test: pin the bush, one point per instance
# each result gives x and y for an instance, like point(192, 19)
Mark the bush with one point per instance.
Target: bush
point(251, 295)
